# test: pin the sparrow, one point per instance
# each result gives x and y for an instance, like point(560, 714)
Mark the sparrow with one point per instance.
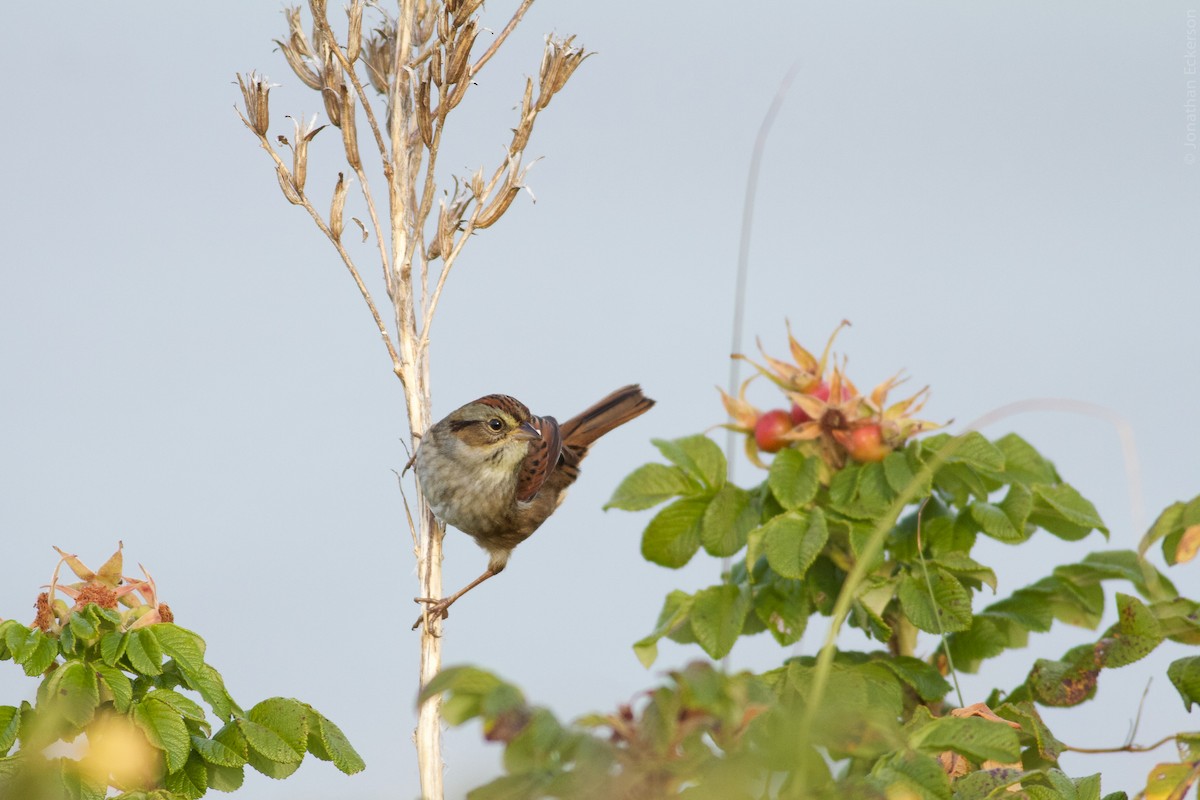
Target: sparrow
point(496, 472)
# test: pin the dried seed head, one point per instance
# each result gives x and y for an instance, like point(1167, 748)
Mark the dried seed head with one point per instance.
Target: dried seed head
point(379, 57)
point(424, 22)
point(424, 115)
point(332, 89)
point(255, 92)
point(350, 130)
point(164, 613)
point(460, 56)
point(296, 37)
point(304, 134)
point(285, 183)
point(559, 62)
point(338, 206)
point(463, 9)
point(498, 206)
point(300, 65)
point(354, 15)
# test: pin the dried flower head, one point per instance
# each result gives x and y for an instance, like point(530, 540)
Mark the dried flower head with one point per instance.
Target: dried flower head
point(256, 90)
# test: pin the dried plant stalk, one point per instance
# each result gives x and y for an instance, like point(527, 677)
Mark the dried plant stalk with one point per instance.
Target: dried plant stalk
point(421, 64)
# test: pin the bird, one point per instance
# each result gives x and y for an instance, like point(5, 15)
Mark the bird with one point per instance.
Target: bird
point(497, 472)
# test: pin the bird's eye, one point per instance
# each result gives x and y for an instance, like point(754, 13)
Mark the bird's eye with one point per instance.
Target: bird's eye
point(495, 424)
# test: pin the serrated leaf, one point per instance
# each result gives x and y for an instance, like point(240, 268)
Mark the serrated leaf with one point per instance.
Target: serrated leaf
point(1134, 636)
point(144, 653)
point(961, 565)
point(783, 608)
point(995, 523)
point(191, 782)
point(76, 693)
point(327, 742)
point(794, 478)
point(267, 743)
point(288, 719)
point(971, 449)
point(165, 730)
point(82, 627)
point(1185, 677)
point(1023, 463)
point(216, 752)
point(947, 610)
point(211, 686)
point(10, 725)
point(186, 647)
point(225, 779)
point(976, 738)
point(673, 536)
point(112, 647)
point(1064, 512)
point(698, 456)
point(898, 471)
point(674, 613)
point(183, 706)
point(726, 521)
point(1169, 781)
point(718, 615)
point(1064, 683)
point(793, 540)
point(649, 485)
point(468, 683)
point(922, 676)
point(117, 684)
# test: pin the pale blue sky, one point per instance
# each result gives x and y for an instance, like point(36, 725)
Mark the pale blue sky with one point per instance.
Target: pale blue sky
point(998, 195)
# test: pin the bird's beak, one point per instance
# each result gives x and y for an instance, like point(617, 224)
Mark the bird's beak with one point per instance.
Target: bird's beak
point(526, 433)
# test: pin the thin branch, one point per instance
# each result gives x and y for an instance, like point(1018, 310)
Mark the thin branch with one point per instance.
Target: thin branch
point(500, 37)
point(1125, 748)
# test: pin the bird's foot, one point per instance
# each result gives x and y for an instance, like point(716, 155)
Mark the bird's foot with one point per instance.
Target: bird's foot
point(434, 609)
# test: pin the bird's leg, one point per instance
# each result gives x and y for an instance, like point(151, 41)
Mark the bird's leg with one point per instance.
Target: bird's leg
point(441, 608)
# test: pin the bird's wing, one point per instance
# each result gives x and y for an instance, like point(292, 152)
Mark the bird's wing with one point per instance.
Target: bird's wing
point(541, 459)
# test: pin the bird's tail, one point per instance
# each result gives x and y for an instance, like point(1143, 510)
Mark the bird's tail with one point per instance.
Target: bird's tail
point(613, 411)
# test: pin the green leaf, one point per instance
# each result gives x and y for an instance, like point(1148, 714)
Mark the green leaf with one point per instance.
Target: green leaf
point(673, 536)
point(1185, 676)
point(327, 742)
point(912, 775)
point(216, 752)
point(116, 683)
point(211, 686)
point(467, 685)
point(970, 449)
point(1068, 682)
point(649, 485)
point(1023, 463)
point(267, 743)
point(75, 693)
point(35, 651)
point(182, 706)
point(793, 540)
point(1134, 636)
point(288, 719)
point(698, 456)
point(718, 615)
point(729, 516)
point(113, 646)
point(1180, 620)
point(783, 608)
point(1064, 512)
point(82, 627)
point(899, 472)
point(997, 524)
point(976, 738)
point(165, 730)
point(947, 610)
point(10, 725)
point(191, 782)
point(674, 614)
point(922, 676)
point(186, 647)
point(225, 779)
point(794, 479)
point(143, 652)
point(962, 566)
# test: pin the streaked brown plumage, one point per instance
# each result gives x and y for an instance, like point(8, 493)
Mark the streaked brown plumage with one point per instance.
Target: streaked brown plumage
point(496, 472)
